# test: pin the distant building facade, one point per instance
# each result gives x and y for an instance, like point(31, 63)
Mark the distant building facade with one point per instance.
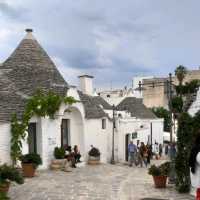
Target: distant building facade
point(135, 82)
point(156, 90)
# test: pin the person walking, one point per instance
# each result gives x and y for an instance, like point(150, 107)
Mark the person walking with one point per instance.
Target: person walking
point(194, 163)
point(149, 153)
point(166, 149)
point(160, 150)
point(132, 149)
point(143, 154)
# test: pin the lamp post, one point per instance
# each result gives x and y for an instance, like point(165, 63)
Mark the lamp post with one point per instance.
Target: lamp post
point(170, 106)
point(172, 163)
point(151, 135)
point(113, 136)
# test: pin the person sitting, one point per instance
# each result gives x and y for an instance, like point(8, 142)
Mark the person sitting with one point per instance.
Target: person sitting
point(77, 154)
point(70, 156)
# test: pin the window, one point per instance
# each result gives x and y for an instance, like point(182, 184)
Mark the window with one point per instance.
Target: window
point(134, 135)
point(103, 123)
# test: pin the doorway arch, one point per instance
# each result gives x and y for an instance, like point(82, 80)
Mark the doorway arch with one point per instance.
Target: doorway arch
point(74, 126)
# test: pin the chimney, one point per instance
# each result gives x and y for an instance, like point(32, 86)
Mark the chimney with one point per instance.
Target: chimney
point(86, 84)
point(29, 30)
point(29, 35)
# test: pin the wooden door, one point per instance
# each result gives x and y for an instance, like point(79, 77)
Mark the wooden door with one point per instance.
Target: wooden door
point(32, 138)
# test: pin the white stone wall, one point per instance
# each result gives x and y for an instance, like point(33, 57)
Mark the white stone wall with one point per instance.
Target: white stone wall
point(5, 143)
point(98, 137)
point(195, 107)
point(128, 126)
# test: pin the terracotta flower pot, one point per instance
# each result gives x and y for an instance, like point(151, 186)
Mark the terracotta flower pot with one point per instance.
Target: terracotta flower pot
point(160, 181)
point(4, 187)
point(28, 170)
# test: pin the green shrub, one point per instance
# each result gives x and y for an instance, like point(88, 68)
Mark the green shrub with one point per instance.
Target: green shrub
point(162, 170)
point(165, 168)
point(154, 170)
point(32, 158)
point(59, 153)
point(3, 196)
point(8, 173)
point(94, 152)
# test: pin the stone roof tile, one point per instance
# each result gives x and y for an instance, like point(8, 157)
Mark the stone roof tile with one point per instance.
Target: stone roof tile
point(136, 108)
point(102, 102)
point(92, 108)
point(28, 69)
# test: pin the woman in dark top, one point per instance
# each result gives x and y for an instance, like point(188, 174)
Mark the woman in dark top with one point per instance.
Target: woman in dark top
point(77, 154)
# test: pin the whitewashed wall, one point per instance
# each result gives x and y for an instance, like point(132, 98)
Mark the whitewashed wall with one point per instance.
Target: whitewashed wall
point(195, 107)
point(5, 143)
point(98, 137)
point(127, 126)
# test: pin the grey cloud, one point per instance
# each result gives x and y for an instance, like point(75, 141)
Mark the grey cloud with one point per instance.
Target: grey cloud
point(77, 57)
point(9, 11)
point(113, 40)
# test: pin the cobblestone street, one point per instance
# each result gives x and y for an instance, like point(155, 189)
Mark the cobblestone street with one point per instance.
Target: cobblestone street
point(103, 182)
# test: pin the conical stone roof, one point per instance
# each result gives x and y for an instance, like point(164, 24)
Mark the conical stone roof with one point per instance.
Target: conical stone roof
point(28, 69)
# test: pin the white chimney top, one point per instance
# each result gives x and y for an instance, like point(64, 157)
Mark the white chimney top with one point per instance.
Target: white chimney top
point(86, 85)
point(29, 34)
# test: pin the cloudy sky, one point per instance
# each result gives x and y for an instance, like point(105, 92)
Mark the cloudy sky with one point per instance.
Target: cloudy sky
point(113, 40)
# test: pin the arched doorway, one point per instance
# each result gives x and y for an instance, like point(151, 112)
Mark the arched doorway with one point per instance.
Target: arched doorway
point(72, 129)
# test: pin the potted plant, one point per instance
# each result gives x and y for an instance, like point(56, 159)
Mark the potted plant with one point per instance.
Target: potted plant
point(30, 162)
point(59, 153)
point(7, 175)
point(59, 162)
point(94, 156)
point(160, 174)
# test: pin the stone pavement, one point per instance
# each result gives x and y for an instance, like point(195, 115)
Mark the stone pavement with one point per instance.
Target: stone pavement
point(103, 182)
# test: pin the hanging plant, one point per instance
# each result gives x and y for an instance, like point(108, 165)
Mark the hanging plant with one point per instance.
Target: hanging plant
point(41, 105)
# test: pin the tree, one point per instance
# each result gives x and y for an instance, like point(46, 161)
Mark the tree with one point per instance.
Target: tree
point(184, 136)
point(180, 73)
point(177, 105)
point(161, 112)
point(188, 88)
